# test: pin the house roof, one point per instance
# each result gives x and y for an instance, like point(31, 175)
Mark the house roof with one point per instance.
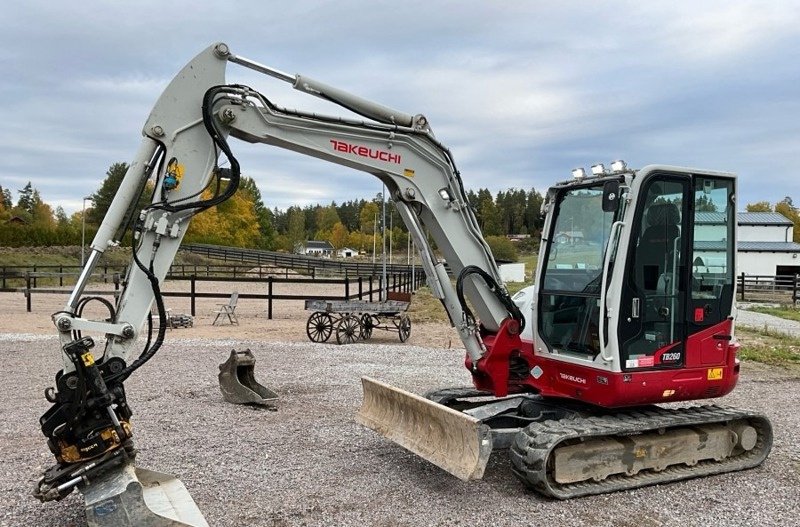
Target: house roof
point(755, 247)
point(316, 244)
point(762, 218)
point(776, 247)
point(743, 218)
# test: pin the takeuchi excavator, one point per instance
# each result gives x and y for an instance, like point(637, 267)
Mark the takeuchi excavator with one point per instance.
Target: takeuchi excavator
point(632, 307)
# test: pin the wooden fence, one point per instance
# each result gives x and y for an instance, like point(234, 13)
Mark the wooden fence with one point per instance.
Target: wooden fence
point(780, 289)
point(359, 287)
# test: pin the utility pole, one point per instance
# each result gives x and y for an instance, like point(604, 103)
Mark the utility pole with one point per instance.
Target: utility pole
point(384, 292)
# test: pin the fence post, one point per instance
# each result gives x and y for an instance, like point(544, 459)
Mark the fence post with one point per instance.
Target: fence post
point(742, 299)
point(370, 288)
point(105, 274)
point(269, 297)
point(360, 288)
point(794, 289)
point(4, 277)
point(191, 293)
point(28, 290)
point(34, 277)
point(116, 286)
point(346, 287)
point(60, 275)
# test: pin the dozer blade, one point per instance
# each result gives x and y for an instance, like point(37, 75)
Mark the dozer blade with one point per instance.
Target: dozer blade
point(451, 440)
point(238, 382)
point(135, 497)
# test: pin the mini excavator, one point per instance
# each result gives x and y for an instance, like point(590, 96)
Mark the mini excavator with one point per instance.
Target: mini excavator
point(632, 307)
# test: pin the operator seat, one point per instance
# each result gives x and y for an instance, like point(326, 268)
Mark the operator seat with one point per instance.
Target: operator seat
point(656, 246)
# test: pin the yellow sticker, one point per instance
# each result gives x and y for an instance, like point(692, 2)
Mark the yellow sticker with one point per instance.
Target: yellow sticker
point(407, 172)
point(714, 374)
point(87, 358)
point(668, 393)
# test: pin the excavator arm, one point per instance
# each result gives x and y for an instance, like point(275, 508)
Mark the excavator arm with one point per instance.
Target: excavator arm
point(88, 425)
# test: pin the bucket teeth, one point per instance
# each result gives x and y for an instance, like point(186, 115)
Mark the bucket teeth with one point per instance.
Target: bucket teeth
point(451, 440)
point(238, 383)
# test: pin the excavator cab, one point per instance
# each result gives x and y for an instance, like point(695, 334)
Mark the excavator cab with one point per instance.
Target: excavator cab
point(641, 286)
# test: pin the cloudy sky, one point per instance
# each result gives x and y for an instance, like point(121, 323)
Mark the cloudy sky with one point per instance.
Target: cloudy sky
point(521, 92)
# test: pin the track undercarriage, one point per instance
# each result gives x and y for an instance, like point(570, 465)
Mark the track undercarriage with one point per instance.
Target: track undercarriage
point(565, 449)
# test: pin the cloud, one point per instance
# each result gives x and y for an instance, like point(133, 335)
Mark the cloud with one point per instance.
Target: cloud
point(521, 92)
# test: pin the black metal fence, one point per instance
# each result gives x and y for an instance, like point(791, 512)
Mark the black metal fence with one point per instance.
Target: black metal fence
point(357, 287)
point(781, 289)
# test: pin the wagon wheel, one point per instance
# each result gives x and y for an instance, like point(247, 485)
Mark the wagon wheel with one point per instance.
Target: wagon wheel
point(404, 328)
point(367, 324)
point(348, 330)
point(319, 327)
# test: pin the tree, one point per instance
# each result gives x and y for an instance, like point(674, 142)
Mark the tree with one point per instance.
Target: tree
point(264, 215)
point(25, 202)
point(296, 226)
point(5, 198)
point(326, 218)
point(760, 206)
point(785, 207)
point(503, 248)
point(339, 236)
point(41, 212)
point(233, 223)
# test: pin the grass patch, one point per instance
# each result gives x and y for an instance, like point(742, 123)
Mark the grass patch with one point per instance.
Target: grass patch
point(787, 312)
point(426, 308)
point(768, 346)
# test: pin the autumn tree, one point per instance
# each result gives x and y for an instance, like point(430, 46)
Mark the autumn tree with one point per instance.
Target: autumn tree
point(265, 217)
point(759, 206)
point(786, 208)
point(339, 236)
point(233, 223)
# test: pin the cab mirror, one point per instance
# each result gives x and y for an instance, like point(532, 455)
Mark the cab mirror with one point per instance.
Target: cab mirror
point(610, 196)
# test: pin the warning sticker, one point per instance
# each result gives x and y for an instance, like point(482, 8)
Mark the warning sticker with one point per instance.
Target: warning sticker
point(714, 374)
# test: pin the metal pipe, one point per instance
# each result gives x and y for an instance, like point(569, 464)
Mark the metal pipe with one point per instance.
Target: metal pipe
point(83, 279)
point(253, 65)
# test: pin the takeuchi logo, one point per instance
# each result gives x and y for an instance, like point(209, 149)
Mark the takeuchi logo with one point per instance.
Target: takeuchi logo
point(363, 151)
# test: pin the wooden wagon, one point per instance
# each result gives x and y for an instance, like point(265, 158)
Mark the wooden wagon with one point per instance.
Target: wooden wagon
point(353, 320)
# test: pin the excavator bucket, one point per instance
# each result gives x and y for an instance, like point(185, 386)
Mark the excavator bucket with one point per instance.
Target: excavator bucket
point(132, 497)
point(451, 440)
point(238, 382)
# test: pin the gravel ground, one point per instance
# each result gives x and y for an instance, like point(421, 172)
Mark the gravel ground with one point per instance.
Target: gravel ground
point(310, 464)
point(753, 319)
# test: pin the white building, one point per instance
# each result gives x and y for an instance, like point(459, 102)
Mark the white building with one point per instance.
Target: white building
point(764, 245)
point(316, 248)
point(346, 252)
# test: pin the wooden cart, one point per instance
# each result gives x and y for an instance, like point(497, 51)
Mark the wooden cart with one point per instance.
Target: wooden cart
point(354, 320)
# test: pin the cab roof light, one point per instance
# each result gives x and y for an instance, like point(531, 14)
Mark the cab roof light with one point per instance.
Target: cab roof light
point(578, 173)
point(619, 166)
point(598, 169)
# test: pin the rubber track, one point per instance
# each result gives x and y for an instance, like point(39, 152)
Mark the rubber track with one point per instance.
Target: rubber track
point(533, 446)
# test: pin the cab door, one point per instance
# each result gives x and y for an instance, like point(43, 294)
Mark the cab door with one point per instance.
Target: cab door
point(678, 293)
point(652, 325)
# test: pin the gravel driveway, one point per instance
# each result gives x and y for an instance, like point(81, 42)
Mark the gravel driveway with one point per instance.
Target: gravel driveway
point(309, 464)
point(753, 319)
